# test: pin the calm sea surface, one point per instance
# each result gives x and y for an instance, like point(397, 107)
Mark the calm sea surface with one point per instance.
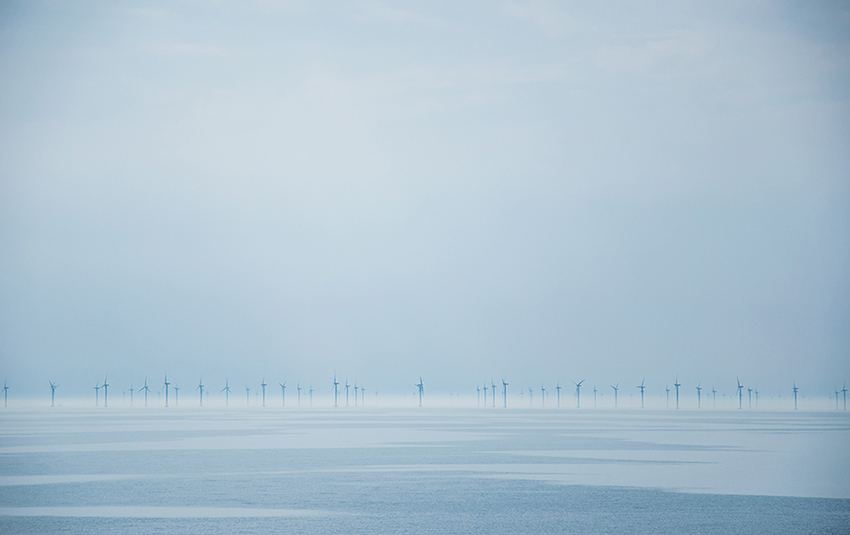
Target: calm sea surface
point(447, 470)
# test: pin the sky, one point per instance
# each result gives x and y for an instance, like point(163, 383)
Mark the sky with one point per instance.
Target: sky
point(461, 191)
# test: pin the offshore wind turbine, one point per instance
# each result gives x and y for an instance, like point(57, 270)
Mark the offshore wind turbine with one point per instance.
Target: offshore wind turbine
point(478, 388)
point(247, 396)
point(201, 388)
point(795, 395)
point(713, 397)
point(336, 390)
point(749, 398)
point(166, 383)
point(530, 397)
point(346, 391)
point(145, 389)
point(485, 395)
point(53, 387)
point(699, 396)
point(362, 395)
point(642, 388)
point(356, 390)
point(421, 386)
point(677, 385)
point(578, 394)
point(226, 391)
point(298, 388)
point(493, 391)
point(105, 391)
point(505, 392)
point(131, 394)
point(844, 391)
point(757, 398)
point(542, 395)
point(667, 388)
point(176, 396)
point(616, 388)
point(311, 395)
point(282, 393)
point(740, 394)
point(6, 394)
point(594, 395)
point(264, 385)
point(558, 390)
point(96, 392)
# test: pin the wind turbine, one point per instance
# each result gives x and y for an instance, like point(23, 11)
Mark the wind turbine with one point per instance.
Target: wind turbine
point(346, 391)
point(667, 388)
point(362, 395)
point(594, 395)
point(356, 390)
point(757, 398)
point(105, 391)
point(616, 389)
point(226, 391)
point(699, 396)
point(166, 383)
point(578, 394)
point(145, 389)
point(298, 388)
point(53, 387)
point(336, 390)
point(505, 392)
point(478, 388)
point(713, 397)
point(492, 391)
point(264, 385)
point(749, 398)
point(131, 394)
point(677, 385)
point(176, 396)
point(247, 396)
point(740, 394)
point(201, 388)
point(485, 394)
point(6, 394)
point(530, 397)
point(795, 395)
point(844, 391)
point(642, 388)
point(96, 392)
point(311, 395)
point(542, 395)
point(421, 386)
point(282, 393)
point(558, 390)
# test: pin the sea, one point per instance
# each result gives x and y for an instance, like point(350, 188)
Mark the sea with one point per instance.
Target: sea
point(440, 470)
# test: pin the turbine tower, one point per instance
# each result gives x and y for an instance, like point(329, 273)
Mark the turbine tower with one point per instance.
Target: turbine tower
point(264, 385)
point(53, 387)
point(6, 393)
point(505, 392)
point(492, 391)
point(795, 395)
point(616, 389)
point(421, 386)
point(677, 385)
point(145, 389)
point(642, 388)
point(166, 383)
point(594, 395)
point(485, 395)
point(667, 388)
point(356, 391)
point(844, 391)
point(757, 398)
point(105, 391)
point(247, 396)
point(749, 398)
point(558, 395)
point(699, 396)
point(298, 388)
point(311, 395)
point(578, 394)
point(282, 393)
point(96, 392)
point(713, 397)
point(226, 391)
point(478, 388)
point(740, 394)
point(336, 390)
point(346, 391)
point(176, 396)
point(201, 388)
point(530, 397)
point(131, 394)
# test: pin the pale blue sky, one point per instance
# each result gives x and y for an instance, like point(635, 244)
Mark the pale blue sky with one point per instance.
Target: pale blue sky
point(454, 190)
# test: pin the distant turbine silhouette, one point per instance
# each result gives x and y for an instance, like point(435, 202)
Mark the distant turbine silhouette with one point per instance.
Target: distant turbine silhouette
point(96, 392)
point(283, 393)
point(247, 396)
point(757, 398)
point(356, 391)
point(105, 391)
point(667, 388)
point(421, 386)
point(264, 385)
point(677, 385)
point(166, 383)
point(844, 391)
point(226, 391)
point(505, 392)
point(749, 398)
point(346, 391)
point(362, 395)
point(713, 397)
point(795, 395)
point(53, 387)
point(558, 395)
point(578, 394)
point(478, 388)
point(740, 394)
point(642, 388)
point(201, 389)
point(311, 395)
point(6, 394)
point(298, 388)
point(699, 396)
point(542, 395)
point(594, 395)
point(336, 390)
point(176, 396)
point(145, 389)
point(493, 391)
point(485, 394)
point(131, 394)
point(616, 389)
point(530, 397)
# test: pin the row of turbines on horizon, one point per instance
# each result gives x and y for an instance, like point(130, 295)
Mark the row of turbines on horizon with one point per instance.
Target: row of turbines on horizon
point(359, 396)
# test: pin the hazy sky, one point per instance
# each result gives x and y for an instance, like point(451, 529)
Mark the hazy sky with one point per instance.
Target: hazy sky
point(458, 190)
